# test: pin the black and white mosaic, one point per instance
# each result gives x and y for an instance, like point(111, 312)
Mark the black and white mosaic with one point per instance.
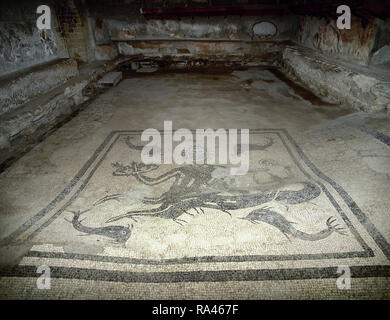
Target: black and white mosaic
point(198, 223)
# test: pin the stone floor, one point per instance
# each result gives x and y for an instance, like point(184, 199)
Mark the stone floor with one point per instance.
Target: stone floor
point(316, 197)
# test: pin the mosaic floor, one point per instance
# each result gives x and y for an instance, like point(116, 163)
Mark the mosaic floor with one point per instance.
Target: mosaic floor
point(192, 223)
point(121, 229)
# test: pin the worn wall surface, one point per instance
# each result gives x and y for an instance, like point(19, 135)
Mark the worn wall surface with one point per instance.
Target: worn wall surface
point(322, 34)
point(120, 23)
point(381, 49)
point(21, 43)
point(218, 28)
point(73, 23)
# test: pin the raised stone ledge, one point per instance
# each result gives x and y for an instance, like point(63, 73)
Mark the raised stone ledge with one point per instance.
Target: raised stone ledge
point(337, 83)
point(44, 109)
point(16, 89)
point(22, 126)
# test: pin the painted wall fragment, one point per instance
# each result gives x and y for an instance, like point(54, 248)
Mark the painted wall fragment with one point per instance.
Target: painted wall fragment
point(354, 45)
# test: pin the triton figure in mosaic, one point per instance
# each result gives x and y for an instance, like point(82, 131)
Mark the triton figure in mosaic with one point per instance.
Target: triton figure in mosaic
point(195, 187)
point(192, 188)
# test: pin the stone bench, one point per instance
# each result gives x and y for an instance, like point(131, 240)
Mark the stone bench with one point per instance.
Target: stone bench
point(18, 88)
point(362, 88)
point(22, 126)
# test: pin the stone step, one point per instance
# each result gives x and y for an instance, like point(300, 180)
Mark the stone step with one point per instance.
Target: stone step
point(110, 79)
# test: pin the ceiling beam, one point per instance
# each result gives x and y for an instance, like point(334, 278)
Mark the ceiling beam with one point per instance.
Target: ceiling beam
point(365, 9)
point(252, 10)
